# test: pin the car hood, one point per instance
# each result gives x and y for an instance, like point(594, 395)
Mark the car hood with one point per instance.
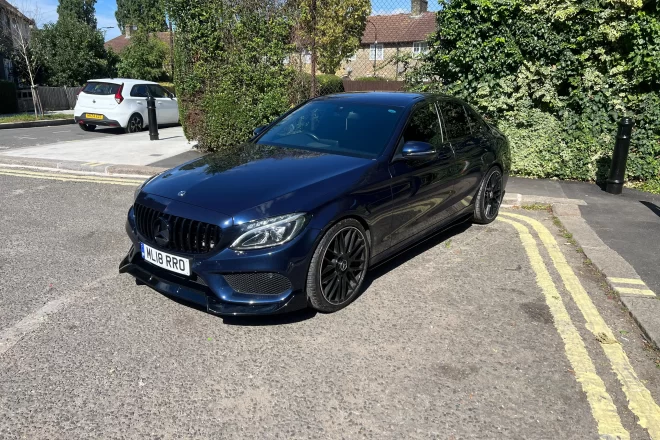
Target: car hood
point(269, 179)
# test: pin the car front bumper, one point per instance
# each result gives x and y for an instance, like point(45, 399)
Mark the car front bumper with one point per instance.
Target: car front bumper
point(207, 286)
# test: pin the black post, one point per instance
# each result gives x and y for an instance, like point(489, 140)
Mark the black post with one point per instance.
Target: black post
point(620, 157)
point(153, 123)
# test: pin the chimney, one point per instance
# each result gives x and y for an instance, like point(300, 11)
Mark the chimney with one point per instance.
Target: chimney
point(130, 28)
point(418, 7)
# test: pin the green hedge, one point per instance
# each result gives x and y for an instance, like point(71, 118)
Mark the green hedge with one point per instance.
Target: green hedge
point(555, 77)
point(230, 72)
point(371, 78)
point(8, 101)
point(329, 84)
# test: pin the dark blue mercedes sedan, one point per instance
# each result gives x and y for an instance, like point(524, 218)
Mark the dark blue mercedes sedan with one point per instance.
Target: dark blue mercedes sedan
point(295, 217)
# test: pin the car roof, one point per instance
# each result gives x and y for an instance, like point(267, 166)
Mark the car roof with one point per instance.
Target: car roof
point(121, 80)
point(403, 99)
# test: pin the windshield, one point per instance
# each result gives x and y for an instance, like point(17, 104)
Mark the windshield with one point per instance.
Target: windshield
point(336, 127)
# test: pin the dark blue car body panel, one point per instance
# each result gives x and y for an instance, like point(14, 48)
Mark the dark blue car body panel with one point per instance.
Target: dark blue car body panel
point(398, 202)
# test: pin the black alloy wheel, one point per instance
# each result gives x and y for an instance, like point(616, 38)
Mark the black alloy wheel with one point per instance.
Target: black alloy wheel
point(489, 198)
point(338, 267)
point(134, 124)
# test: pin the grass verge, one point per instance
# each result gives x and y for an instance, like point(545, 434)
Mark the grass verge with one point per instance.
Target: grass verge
point(29, 117)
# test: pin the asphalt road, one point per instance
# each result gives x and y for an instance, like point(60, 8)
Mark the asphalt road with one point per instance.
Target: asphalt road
point(457, 338)
point(30, 137)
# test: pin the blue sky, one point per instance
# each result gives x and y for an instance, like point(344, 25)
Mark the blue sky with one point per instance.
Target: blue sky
point(105, 11)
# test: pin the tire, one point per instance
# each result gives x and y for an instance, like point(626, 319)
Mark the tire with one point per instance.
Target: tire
point(333, 280)
point(87, 127)
point(489, 197)
point(135, 124)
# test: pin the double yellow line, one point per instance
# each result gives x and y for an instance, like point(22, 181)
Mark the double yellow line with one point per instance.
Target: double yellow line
point(68, 177)
point(605, 413)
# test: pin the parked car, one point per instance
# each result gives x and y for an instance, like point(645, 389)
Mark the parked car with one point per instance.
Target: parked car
point(296, 216)
point(122, 102)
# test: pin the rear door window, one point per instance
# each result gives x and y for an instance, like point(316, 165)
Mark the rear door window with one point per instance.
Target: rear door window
point(476, 123)
point(140, 91)
point(456, 122)
point(101, 88)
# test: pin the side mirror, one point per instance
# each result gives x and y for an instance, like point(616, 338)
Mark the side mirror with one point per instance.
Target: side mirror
point(418, 150)
point(257, 131)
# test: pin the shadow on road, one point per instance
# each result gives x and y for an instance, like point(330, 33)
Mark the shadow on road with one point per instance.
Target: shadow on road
point(373, 274)
point(652, 206)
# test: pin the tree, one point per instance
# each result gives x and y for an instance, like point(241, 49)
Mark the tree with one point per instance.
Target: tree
point(555, 75)
point(18, 41)
point(83, 10)
point(143, 58)
point(336, 30)
point(148, 15)
point(73, 52)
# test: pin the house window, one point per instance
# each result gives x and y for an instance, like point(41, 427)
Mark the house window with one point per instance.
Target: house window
point(352, 57)
point(420, 47)
point(376, 52)
point(307, 57)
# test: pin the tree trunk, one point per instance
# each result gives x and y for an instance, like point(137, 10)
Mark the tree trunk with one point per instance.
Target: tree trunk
point(314, 89)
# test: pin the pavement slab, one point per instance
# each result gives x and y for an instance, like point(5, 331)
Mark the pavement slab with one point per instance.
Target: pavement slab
point(127, 149)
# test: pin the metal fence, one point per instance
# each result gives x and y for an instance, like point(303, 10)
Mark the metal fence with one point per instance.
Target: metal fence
point(52, 98)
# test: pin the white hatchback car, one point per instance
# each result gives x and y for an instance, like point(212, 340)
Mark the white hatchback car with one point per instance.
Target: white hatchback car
point(122, 102)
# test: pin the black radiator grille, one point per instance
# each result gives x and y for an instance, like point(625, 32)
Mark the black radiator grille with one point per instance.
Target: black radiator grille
point(186, 235)
point(258, 283)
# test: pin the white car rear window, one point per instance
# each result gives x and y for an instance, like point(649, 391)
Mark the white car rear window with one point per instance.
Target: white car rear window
point(101, 88)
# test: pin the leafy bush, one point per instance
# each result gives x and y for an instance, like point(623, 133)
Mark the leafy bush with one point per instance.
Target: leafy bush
point(371, 78)
point(326, 83)
point(143, 58)
point(556, 77)
point(8, 102)
point(230, 74)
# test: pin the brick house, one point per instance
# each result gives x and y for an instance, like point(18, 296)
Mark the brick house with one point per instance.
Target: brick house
point(10, 18)
point(118, 44)
point(387, 37)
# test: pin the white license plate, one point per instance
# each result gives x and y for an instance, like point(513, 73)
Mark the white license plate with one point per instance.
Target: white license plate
point(166, 261)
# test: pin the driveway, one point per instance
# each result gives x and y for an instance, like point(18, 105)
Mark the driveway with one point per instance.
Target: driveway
point(472, 334)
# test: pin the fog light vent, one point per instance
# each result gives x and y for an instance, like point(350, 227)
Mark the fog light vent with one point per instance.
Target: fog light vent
point(258, 283)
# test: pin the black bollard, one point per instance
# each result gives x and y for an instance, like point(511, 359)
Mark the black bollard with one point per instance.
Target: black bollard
point(620, 157)
point(153, 122)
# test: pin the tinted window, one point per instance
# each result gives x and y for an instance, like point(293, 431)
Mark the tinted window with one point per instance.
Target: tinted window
point(456, 123)
point(336, 127)
point(424, 126)
point(158, 91)
point(476, 124)
point(140, 91)
point(101, 88)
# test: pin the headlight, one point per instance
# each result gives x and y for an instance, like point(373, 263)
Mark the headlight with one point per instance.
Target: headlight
point(269, 232)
